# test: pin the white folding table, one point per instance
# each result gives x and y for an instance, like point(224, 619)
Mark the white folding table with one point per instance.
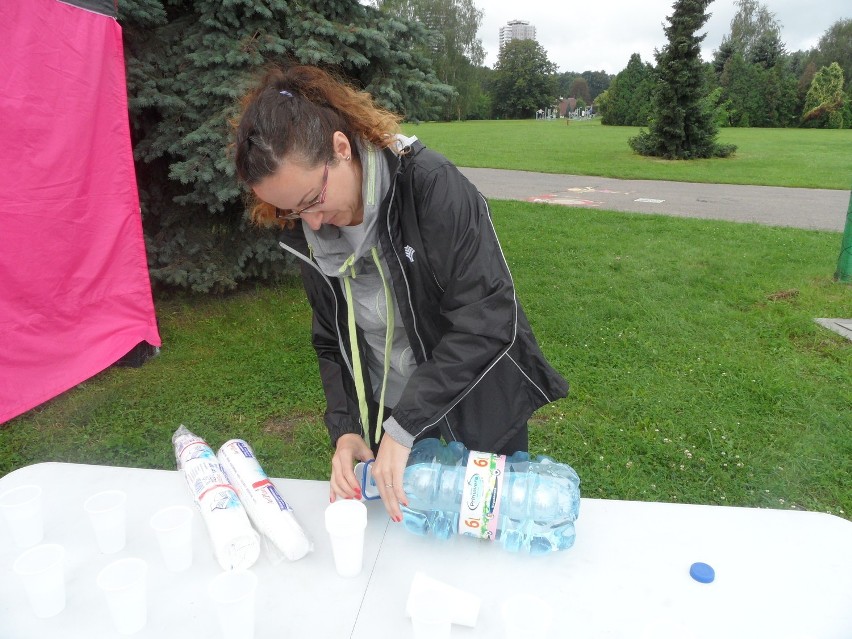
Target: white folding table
point(779, 574)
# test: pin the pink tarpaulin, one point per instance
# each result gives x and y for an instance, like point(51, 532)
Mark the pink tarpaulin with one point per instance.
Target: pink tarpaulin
point(75, 295)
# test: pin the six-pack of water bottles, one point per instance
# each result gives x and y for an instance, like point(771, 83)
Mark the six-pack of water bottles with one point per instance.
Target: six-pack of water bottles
point(527, 505)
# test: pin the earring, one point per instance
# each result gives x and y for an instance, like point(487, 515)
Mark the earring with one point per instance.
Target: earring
point(348, 157)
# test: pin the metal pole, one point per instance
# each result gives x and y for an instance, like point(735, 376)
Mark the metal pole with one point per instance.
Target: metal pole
point(844, 262)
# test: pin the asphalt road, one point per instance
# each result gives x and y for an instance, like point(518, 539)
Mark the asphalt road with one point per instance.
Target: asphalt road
point(820, 209)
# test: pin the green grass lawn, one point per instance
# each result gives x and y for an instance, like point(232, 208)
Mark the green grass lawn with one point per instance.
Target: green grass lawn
point(697, 372)
point(811, 158)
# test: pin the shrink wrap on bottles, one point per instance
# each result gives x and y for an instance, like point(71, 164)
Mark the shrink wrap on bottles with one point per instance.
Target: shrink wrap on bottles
point(271, 515)
point(236, 544)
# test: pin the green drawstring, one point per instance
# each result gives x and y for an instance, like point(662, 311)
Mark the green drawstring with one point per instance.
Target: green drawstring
point(353, 344)
point(353, 341)
point(388, 340)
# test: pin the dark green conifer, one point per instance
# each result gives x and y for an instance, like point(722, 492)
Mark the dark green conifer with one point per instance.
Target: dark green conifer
point(188, 61)
point(682, 125)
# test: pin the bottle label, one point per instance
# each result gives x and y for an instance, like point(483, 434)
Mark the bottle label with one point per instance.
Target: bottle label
point(483, 484)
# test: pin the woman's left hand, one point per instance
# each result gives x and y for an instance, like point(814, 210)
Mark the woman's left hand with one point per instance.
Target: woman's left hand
point(388, 470)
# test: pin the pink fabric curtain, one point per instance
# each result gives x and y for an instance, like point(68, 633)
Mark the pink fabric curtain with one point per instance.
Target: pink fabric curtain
point(75, 294)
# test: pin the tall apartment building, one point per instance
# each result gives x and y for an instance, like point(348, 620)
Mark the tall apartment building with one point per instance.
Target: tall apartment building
point(516, 30)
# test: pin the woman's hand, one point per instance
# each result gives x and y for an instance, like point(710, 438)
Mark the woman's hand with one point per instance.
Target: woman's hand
point(387, 473)
point(343, 481)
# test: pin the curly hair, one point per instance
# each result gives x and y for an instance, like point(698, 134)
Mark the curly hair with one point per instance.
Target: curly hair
point(293, 113)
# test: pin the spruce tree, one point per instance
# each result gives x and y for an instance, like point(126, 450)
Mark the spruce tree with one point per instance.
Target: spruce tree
point(682, 126)
point(188, 62)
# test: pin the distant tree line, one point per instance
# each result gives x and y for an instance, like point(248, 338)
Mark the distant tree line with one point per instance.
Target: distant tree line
point(752, 80)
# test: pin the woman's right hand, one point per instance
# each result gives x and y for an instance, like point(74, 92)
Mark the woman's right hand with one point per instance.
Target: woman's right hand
point(350, 447)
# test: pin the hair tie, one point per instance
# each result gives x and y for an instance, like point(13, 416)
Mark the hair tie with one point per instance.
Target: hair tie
point(286, 93)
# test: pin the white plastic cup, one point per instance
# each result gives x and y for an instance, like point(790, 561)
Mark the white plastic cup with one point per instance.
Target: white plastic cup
point(526, 616)
point(462, 606)
point(345, 521)
point(21, 509)
point(42, 571)
point(124, 584)
point(233, 595)
point(173, 529)
point(107, 511)
point(430, 616)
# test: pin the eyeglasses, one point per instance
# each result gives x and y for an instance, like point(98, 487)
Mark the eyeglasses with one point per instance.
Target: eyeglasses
point(290, 214)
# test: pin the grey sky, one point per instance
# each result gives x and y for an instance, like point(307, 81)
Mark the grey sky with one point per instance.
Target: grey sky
point(601, 35)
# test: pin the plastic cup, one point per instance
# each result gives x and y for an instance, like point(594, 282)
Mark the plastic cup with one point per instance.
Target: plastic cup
point(526, 616)
point(345, 521)
point(107, 512)
point(430, 616)
point(463, 607)
point(42, 571)
point(173, 529)
point(21, 509)
point(233, 594)
point(124, 584)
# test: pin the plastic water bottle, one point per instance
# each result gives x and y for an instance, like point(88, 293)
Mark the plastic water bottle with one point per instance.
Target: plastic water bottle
point(526, 505)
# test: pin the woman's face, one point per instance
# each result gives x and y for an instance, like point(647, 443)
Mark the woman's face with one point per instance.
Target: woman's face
point(318, 196)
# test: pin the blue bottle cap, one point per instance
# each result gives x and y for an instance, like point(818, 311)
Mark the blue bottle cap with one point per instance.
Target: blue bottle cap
point(702, 572)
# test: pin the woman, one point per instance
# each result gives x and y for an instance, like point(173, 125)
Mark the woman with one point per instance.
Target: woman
point(415, 321)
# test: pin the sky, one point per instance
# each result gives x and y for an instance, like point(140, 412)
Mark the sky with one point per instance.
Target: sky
point(601, 35)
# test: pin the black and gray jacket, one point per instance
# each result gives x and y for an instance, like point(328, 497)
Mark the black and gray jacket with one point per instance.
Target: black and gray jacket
point(480, 373)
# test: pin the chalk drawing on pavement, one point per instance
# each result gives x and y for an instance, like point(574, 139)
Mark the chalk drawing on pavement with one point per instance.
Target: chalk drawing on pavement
point(589, 189)
point(552, 198)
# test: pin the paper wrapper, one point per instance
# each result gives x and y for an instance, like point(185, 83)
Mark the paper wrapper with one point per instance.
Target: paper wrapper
point(270, 514)
point(236, 545)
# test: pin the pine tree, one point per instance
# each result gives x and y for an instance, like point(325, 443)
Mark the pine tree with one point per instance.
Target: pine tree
point(682, 126)
point(188, 62)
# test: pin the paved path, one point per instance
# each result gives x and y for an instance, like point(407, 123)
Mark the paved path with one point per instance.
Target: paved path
point(821, 209)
